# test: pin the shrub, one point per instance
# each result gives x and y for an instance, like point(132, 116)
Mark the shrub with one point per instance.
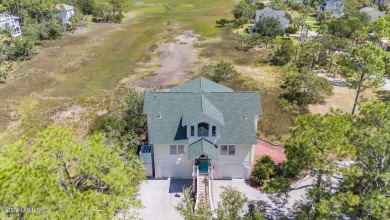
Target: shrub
point(86, 6)
point(43, 31)
point(222, 22)
point(222, 71)
point(263, 170)
point(291, 30)
point(20, 48)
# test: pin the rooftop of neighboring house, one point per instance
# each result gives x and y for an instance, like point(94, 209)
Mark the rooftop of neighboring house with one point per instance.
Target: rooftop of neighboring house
point(373, 13)
point(64, 7)
point(267, 10)
point(5, 17)
point(170, 112)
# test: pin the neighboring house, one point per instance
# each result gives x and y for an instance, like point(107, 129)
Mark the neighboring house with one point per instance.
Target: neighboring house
point(335, 7)
point(269, 12)
point(11, 22)
point(297, 1)
point(65, 12)
point(373, 14)
point(200, 124)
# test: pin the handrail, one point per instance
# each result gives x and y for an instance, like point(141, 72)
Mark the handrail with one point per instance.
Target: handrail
point(210, 189)
point(197, 187)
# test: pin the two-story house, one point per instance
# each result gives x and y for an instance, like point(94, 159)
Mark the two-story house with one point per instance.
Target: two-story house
point(205, 124)
point(11, 22)
point(334, 7)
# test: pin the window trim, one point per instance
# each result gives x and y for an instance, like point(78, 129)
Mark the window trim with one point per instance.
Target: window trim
point(173, 147)
point(177, 149)
point(208, 129)
point(229, 151)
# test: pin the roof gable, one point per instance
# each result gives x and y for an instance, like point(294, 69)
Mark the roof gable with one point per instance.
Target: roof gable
point(206, 109)
point(200, 85)
point(200, 147)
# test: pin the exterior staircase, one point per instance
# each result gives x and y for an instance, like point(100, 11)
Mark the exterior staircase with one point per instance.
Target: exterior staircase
point(203, 188)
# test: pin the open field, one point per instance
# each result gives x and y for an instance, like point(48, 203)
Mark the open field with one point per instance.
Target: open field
point(78, 76)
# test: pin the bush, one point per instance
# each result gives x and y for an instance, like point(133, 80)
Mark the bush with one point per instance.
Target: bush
point(263, 170)
point(20, 48)
point(87, 7)
point(291, 30)
point(222, 22)
point(222, 71)
point(43, 31)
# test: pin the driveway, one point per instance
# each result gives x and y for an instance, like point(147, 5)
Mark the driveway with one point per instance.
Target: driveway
point(275, 207)
point(159, 198)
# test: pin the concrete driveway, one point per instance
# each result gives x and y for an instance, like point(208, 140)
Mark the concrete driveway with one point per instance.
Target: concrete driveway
point(275, 207)
point(159, 198)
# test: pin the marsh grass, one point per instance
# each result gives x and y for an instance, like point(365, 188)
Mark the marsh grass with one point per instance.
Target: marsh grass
point(87, 69)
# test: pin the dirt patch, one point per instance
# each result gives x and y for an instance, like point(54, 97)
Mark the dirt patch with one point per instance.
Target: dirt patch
point(177, 60)
point(72, 115)
point(342, 99)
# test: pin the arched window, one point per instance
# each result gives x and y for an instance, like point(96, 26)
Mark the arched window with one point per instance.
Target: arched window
point(203, 129)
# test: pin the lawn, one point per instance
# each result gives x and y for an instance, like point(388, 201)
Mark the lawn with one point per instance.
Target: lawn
point(83, 72)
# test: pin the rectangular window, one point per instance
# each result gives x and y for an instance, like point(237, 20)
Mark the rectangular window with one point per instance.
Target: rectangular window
point(173, 150)
point(214, 131)
point(180, 149)
point(232, 150)
point(192, 131)
point(224, 149)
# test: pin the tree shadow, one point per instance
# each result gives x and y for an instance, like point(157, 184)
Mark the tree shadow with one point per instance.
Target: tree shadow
point(271, 212)
point(178, 185)
point(383, 95)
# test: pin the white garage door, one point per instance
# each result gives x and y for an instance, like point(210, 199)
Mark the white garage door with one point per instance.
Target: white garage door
point(172, 171)
point(233, 172)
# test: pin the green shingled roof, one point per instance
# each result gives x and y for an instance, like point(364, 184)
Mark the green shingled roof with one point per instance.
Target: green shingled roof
point(200, 85)
point(200, 147)
point(206, 108)
point(237, 111)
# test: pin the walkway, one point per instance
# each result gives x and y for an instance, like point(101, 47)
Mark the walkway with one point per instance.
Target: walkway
point(274, 151)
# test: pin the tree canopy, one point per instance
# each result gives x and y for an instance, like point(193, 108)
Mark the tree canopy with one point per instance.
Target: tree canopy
point(62, 176)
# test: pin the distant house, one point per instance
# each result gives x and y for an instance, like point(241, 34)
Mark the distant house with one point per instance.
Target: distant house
point(11, 22)
point(373, 14)
point(65, 12)
point(270, 13)
point(297, 1)
point(335, 7)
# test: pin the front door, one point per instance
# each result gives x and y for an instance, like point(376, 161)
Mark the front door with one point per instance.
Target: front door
point(203, 166)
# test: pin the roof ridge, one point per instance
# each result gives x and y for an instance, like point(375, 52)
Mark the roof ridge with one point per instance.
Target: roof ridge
point(202, 102)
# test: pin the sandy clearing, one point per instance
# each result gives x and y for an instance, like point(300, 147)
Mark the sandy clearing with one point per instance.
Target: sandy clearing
point(176, 62)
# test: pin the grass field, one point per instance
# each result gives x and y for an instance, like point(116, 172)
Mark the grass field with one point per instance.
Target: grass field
point(83, 72)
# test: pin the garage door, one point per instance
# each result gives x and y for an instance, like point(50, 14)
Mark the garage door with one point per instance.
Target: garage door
point(172, 172)
point(233, 172)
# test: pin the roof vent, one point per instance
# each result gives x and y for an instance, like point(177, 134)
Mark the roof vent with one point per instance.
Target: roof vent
point(245, 117)
point(178, 90)
point(159, 115)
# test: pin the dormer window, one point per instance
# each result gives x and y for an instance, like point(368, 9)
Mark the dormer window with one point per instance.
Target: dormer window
point(203, 129)
point(192, 131)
